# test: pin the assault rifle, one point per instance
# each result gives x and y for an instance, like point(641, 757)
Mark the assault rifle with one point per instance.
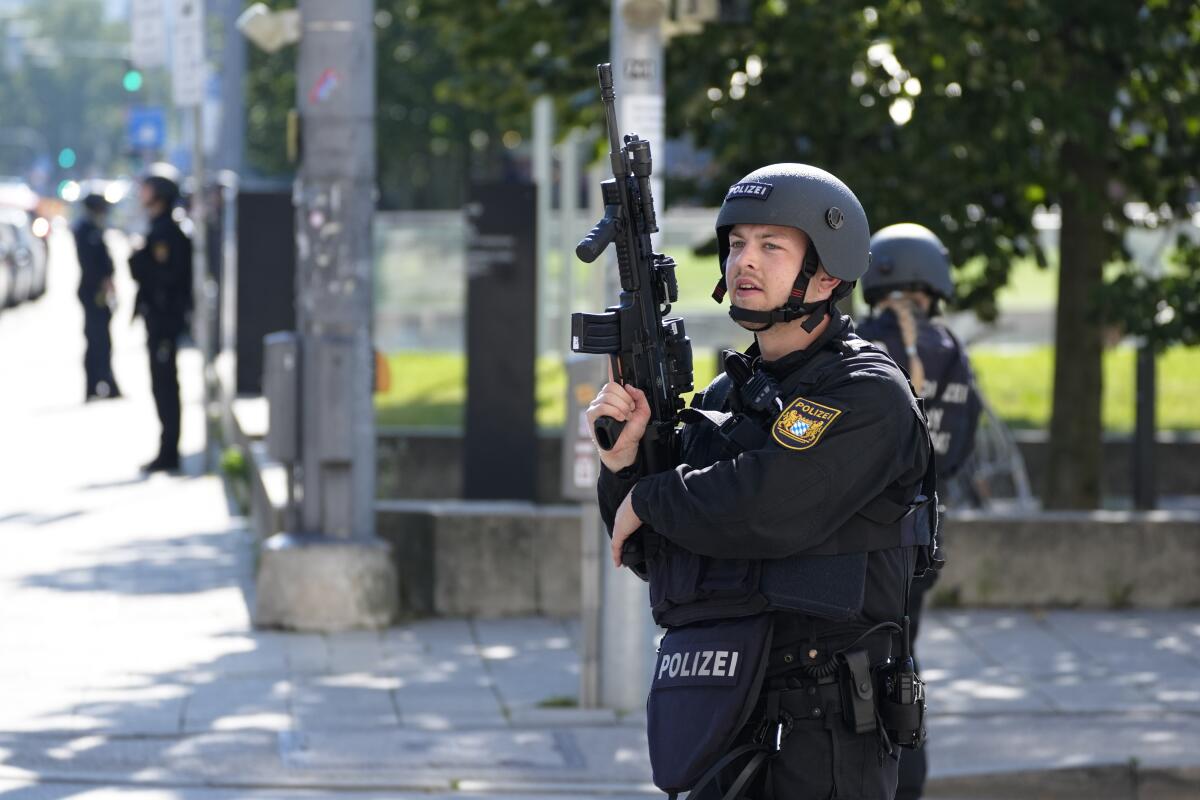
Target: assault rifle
point(647, 348)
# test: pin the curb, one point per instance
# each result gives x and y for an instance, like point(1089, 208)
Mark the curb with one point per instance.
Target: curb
point(1104, 782)
point(1129, 781)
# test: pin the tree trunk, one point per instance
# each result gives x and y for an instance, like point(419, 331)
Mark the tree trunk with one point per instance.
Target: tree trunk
point(1075, 460)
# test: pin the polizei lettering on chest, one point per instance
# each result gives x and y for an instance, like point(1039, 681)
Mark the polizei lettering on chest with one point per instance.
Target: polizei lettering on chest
point(702, 664)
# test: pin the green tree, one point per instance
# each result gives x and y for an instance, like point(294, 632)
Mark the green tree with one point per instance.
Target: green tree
point(967, 116)
point(63, 82)
point(454, 82)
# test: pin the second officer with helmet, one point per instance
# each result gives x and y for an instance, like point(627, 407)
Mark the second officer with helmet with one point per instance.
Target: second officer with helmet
point(907, 284)
point(780, 550)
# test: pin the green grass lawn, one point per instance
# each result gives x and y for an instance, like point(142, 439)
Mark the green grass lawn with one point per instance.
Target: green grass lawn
point(428, 389)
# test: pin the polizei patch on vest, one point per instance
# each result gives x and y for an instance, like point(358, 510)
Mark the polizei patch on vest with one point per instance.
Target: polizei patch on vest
point(709, 663)
point(803, 423)
point(759, 191)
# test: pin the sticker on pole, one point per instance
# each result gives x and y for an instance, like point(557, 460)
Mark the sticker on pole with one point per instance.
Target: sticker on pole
point(324, 87)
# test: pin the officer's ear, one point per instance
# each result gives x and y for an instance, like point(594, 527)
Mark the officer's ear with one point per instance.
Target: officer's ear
point(825, 283)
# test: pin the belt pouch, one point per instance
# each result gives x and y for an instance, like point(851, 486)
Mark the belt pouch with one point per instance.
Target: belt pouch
point(858, 691)
point(706, 682)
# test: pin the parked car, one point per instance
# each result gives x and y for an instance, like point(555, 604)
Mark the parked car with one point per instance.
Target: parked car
point(8, 270)
point(26, 225)
point(25, 255)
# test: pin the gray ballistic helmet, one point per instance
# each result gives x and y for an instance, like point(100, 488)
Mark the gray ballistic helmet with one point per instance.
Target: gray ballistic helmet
point(907, 256)
point(814, 201)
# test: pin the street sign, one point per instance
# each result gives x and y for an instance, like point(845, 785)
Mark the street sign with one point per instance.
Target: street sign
point(188, 68)
point(146, 128)
point(148, 33)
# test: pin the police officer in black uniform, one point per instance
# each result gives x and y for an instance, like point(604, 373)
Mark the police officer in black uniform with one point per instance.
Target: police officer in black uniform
point(797, 517)
point(96, 294)
point(908, 281)
point(163, 271)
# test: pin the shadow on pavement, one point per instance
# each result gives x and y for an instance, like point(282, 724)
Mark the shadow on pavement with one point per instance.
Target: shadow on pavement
point(38, 520)
point(192, 563)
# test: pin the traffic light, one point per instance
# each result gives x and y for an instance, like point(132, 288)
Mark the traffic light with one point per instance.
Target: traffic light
point(66, 158)
point(132, 80)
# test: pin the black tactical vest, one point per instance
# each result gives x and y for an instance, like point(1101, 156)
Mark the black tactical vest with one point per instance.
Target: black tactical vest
point(952, 401)
point(828, 581)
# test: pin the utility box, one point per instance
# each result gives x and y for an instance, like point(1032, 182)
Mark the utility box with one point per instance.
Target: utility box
point(281, 387)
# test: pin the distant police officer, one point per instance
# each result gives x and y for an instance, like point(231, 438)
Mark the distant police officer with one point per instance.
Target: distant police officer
point(781, 549)
point(908, 280)
point(96, 295)
point(163, 270)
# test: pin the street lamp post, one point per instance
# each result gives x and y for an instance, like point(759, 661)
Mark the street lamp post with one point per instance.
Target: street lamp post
point(333, 573)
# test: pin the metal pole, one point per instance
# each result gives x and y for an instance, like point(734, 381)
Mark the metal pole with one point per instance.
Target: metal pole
point(627, 629)
point(591, 594)
point(543, 177)
point(333, 573)
point(335, 201)
point(1144, 489)
point(201, 313)
point(568, 230)
point(233, 75)
point(226, 348)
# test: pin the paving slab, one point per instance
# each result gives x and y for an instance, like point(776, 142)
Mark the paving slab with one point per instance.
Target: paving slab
point(1021, 643)
point(324, 704)
point(966, 745)
point(233, 703)
point(1126, 642)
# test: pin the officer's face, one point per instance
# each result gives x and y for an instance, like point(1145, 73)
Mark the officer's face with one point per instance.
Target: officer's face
point(763, 263)
point(147, 197)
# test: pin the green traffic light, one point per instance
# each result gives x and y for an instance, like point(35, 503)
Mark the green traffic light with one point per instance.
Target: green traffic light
point(66, 158)
point(132, 80)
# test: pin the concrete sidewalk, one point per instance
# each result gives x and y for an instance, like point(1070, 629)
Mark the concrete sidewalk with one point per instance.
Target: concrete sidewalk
point(130, 668)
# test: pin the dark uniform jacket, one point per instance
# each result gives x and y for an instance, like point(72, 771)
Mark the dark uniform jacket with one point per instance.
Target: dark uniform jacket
point(847, 430)
point(163, 270)
point(952, 401)
point(95, 264)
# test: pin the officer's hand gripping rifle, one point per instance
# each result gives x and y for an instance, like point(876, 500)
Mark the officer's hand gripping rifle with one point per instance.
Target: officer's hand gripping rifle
point(647, 348)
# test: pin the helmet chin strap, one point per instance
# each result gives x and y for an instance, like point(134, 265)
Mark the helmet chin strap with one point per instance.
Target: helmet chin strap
point(794, 309)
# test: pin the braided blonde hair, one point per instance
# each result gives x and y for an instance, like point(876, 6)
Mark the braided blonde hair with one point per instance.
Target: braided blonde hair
point(906, 307)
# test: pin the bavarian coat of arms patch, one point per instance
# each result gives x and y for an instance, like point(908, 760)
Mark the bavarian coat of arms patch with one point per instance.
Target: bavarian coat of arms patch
point(803, 423)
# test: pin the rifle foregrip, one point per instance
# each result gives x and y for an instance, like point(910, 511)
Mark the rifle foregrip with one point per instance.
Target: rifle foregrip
point(608, 430)
point(597, 239)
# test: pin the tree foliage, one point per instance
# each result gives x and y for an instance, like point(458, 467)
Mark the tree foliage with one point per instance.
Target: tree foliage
point(455, 85)
point(969, 117)
point(61, 88)
point(953, 114)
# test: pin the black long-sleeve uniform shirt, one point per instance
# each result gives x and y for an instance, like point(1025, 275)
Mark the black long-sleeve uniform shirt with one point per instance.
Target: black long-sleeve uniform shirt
point(855, 434)
point(95, 263)
point(163, 271)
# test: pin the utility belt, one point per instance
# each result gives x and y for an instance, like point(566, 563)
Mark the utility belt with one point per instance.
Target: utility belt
point(704, 699)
